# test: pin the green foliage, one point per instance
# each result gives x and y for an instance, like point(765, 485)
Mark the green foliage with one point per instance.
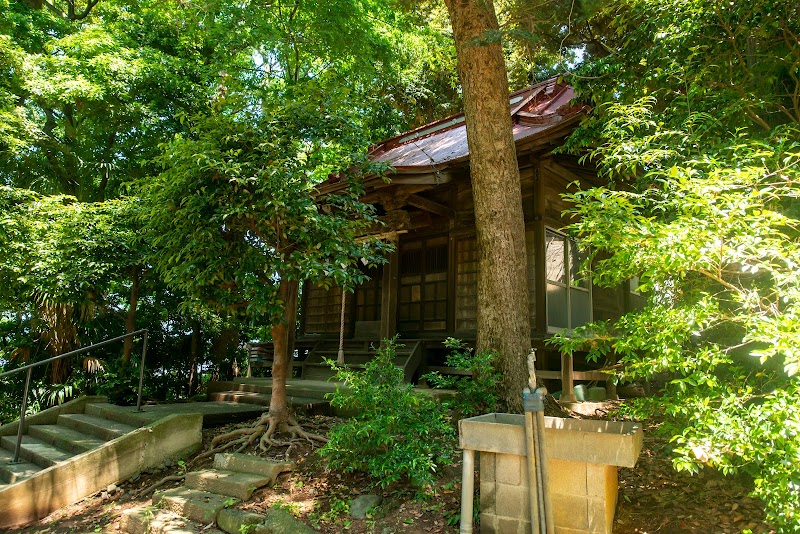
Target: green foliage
point(395, 434)
point(234, 213)
point(338, 513)
point(697, 125)
point(475, 394)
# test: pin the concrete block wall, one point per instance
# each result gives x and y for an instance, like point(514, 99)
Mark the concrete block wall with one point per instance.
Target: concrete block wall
point(583, 495)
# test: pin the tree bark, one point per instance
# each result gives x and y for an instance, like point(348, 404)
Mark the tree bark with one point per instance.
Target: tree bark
point(194, 358)
point(503, 324)
point(278, 405)
point(130, 318)
point(223, 346)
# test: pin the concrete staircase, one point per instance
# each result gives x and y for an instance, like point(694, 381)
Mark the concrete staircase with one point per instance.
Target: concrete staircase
point(73, 450)
point(206, 499)
point(305, 396)
point(357, 353)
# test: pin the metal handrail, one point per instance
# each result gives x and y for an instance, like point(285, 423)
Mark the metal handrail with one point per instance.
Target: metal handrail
point(30, 366)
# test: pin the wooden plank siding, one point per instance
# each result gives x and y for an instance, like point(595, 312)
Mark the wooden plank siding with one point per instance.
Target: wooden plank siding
point(432, 277)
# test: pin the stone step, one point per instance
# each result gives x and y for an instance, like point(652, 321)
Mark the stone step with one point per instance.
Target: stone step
point(354, 363)
point(200, 506)
point(113, 413)
point(65, 438)
point(36, 451)
point(96, 426)
point(261, 398)
point(223, 482)
point(247, 463)
point(302, 388)
point(11, 473)
point(147, 520)
point(315, 372)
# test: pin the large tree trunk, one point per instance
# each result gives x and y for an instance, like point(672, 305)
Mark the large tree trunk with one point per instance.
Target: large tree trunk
point(278, 405)
point(194, 359)
point(130, 319)
point(279, 419)
point(222, 347)
point(503, 324)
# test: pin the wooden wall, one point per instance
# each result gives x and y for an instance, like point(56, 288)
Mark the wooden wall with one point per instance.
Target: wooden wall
point(436, 286)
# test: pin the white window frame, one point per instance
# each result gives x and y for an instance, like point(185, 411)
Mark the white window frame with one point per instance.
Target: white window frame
point(569, 286)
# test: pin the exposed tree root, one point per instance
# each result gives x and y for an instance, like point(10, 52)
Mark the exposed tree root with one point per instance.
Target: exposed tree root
point(153, 487)
point(265, 432)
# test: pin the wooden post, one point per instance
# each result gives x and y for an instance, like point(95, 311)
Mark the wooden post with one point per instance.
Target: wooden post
point(567, 382)
point(389, 296)
point(539, 320)
point(611, 386)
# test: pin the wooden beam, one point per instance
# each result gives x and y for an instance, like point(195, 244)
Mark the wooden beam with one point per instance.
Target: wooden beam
point(431, 206)
point(561, 170)
point(433, 178)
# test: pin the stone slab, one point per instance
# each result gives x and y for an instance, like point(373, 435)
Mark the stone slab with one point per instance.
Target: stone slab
point(65, 438)
point(577, 440)
point(50, 415)
point(230, 483)
point(10, 472)
point(200, 506)
point(97, 426)
point(237, 521)
point(278, 521)
point(36, 451)
point(247, 463)
point(151, 520)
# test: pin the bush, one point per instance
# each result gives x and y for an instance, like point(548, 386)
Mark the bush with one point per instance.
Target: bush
point(395, 434)
point(475, 394)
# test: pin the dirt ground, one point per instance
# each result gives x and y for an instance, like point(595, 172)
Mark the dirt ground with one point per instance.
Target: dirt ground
point(653, 498)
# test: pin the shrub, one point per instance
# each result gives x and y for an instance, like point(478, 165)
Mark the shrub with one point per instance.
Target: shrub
point(475, 394)
point(395, 434)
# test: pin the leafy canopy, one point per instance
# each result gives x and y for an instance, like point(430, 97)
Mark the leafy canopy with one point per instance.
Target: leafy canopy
point(697, 125)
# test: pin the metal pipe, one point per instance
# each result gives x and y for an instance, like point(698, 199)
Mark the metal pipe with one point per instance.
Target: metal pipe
point(72, 353)
point(141, 373)
point(467, 490)
point(21, 425)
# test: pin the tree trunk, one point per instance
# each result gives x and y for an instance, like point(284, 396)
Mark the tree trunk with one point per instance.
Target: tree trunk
point(278, 405)
point(223, 346)
point(194, 358)
point(130, 319)
point(503, 324)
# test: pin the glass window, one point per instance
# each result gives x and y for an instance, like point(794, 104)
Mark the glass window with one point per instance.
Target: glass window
point(569, 291)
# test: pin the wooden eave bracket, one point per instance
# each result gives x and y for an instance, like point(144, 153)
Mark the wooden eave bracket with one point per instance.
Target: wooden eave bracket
point(431, 206)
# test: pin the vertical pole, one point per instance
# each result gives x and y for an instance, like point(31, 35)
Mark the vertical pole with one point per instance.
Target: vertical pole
point(533, 477)
point(21, 426)
point(340, 354)
point(467, 490)
point(544, 474)
point(567, 382)
point(141, 372)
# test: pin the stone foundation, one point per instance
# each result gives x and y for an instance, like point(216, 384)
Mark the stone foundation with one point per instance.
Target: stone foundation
point(582, 457)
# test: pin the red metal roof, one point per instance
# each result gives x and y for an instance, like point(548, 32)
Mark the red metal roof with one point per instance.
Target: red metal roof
point(535, 110)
